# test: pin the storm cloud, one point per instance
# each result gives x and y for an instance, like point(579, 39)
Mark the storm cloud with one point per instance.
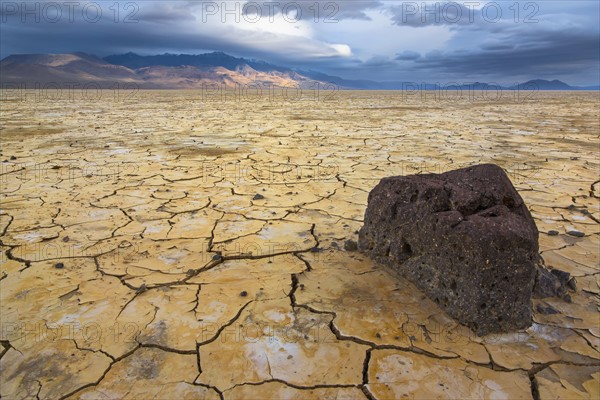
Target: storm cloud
point(366, 39)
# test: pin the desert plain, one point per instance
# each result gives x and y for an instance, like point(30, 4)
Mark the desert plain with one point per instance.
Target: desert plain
point(172, 245)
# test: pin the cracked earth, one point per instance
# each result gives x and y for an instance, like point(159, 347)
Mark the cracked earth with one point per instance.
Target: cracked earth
point(166, 247)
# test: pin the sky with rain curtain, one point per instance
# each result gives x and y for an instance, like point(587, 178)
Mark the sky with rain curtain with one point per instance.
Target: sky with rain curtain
point(501, 41)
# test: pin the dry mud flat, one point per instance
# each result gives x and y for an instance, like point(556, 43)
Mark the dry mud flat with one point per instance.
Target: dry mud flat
point(165, 246)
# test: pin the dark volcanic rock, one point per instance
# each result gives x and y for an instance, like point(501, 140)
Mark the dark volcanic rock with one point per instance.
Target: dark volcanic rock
point(350, 245)
point(464, 237)
point(546, 309)
point(552, 283)
point(547, 284)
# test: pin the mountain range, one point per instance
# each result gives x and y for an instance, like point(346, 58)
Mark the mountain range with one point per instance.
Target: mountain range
point(184, 71)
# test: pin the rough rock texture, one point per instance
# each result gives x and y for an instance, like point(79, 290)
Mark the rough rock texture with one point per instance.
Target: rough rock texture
point(552, 283)
point(464, 237)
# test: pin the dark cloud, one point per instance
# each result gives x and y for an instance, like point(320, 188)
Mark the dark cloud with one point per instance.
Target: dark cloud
point(407, 55)
point(533, 53)
point(356, 9)
point(155, 27)
point(543, 40)
point(379, 62)
point(163, 12)
point(498, 46)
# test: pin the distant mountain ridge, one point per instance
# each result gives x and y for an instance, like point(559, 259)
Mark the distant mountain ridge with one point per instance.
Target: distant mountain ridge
point(188, 71)
point(44, 68)
point(160, 72)
point(214, 59)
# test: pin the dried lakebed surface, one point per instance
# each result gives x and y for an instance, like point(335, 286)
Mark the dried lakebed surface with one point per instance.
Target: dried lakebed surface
point(162, 246)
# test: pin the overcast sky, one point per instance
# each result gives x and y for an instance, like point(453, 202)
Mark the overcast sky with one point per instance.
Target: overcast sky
point(502, 41)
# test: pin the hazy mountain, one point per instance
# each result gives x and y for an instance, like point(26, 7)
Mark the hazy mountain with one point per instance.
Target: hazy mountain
point(61, 69)
point(220, 59)
point(214, 59)
point(536, 84)
point(185, 71)
point(166, 71)
point(352, 84)
point(541, 84)
point(587, 87)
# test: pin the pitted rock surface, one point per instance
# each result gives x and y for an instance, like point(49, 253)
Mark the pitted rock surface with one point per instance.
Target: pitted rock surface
point(464, 237)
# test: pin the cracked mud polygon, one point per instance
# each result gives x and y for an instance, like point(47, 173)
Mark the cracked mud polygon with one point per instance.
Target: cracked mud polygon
point(167, 247)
